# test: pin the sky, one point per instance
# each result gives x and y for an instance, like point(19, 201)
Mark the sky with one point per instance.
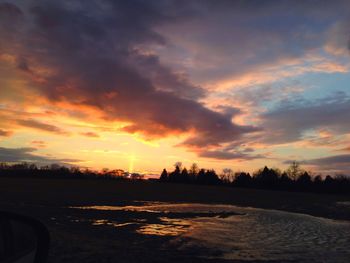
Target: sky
point(139, 85)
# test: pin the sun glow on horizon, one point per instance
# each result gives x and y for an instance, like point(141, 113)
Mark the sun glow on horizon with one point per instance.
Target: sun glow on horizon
point(132, 159)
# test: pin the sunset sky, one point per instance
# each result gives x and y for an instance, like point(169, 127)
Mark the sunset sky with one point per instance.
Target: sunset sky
point(139, 85)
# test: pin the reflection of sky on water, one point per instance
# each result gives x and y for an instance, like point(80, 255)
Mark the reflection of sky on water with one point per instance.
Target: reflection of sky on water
point(159, 207)
point(344, 204)
point(252, 234)
point(100, 222)
point(168, 227)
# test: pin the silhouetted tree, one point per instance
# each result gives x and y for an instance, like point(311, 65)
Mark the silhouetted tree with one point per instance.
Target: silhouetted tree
point(318, 179)
point(227, 175)
point(342, 183)
point(207, 177)
point(304, 181)
point(164, 175)
point(55, 166)
point(317, 184)
point(33, 167)
point(329, 180)
point(293, 179)
point(136, 176)
point(294, 171)
point(193, 172)
point(178, 164)
point(242, 179)
point(267, 178)
point(264, 178)
point(175, 176)
point(200, 176)
point(212, 177)
point(285, 182)
point(185, 178)
point(54, 171)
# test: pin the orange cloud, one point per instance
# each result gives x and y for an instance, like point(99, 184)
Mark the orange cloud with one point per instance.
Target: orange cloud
point(5, 133)
point(34, 124)
point(39, 143)
point(90, 134)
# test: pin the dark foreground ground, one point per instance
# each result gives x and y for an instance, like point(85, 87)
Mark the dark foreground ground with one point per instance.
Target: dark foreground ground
point(74, 237)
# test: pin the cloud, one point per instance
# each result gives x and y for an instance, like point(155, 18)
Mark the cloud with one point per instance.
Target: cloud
point(290, 120)
point(338, 38)
point(42, 126)
point(9, 12)
point(5, 133)
point(336, 159)
point(347, 149)
point(164, 79)
point(95, 56)
point(27, 154)
point(39, 144)
point(229, 155)
point(243, 43)
point(143, 62)
point(337, 164)
point(90, 134)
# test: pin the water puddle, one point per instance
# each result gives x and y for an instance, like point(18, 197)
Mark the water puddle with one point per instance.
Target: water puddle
point(243, 233)
point(168, 227)
point(344, 204)
point(104, 222)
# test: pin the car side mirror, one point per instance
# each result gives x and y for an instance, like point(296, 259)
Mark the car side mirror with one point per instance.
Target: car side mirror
point(22, 239)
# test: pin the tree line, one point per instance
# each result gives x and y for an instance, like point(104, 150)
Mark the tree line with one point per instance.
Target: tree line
point(292, 179)
point(60, 171)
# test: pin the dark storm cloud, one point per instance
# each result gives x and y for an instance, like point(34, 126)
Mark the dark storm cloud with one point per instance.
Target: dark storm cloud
point(27, 154)
point(288, 122)
point(41, 126)
point(95, 53)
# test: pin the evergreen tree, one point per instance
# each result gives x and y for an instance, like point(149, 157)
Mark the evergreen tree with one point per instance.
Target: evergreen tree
point(164, 175)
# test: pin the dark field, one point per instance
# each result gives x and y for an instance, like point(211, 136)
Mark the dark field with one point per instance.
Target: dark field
point(86, 236)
